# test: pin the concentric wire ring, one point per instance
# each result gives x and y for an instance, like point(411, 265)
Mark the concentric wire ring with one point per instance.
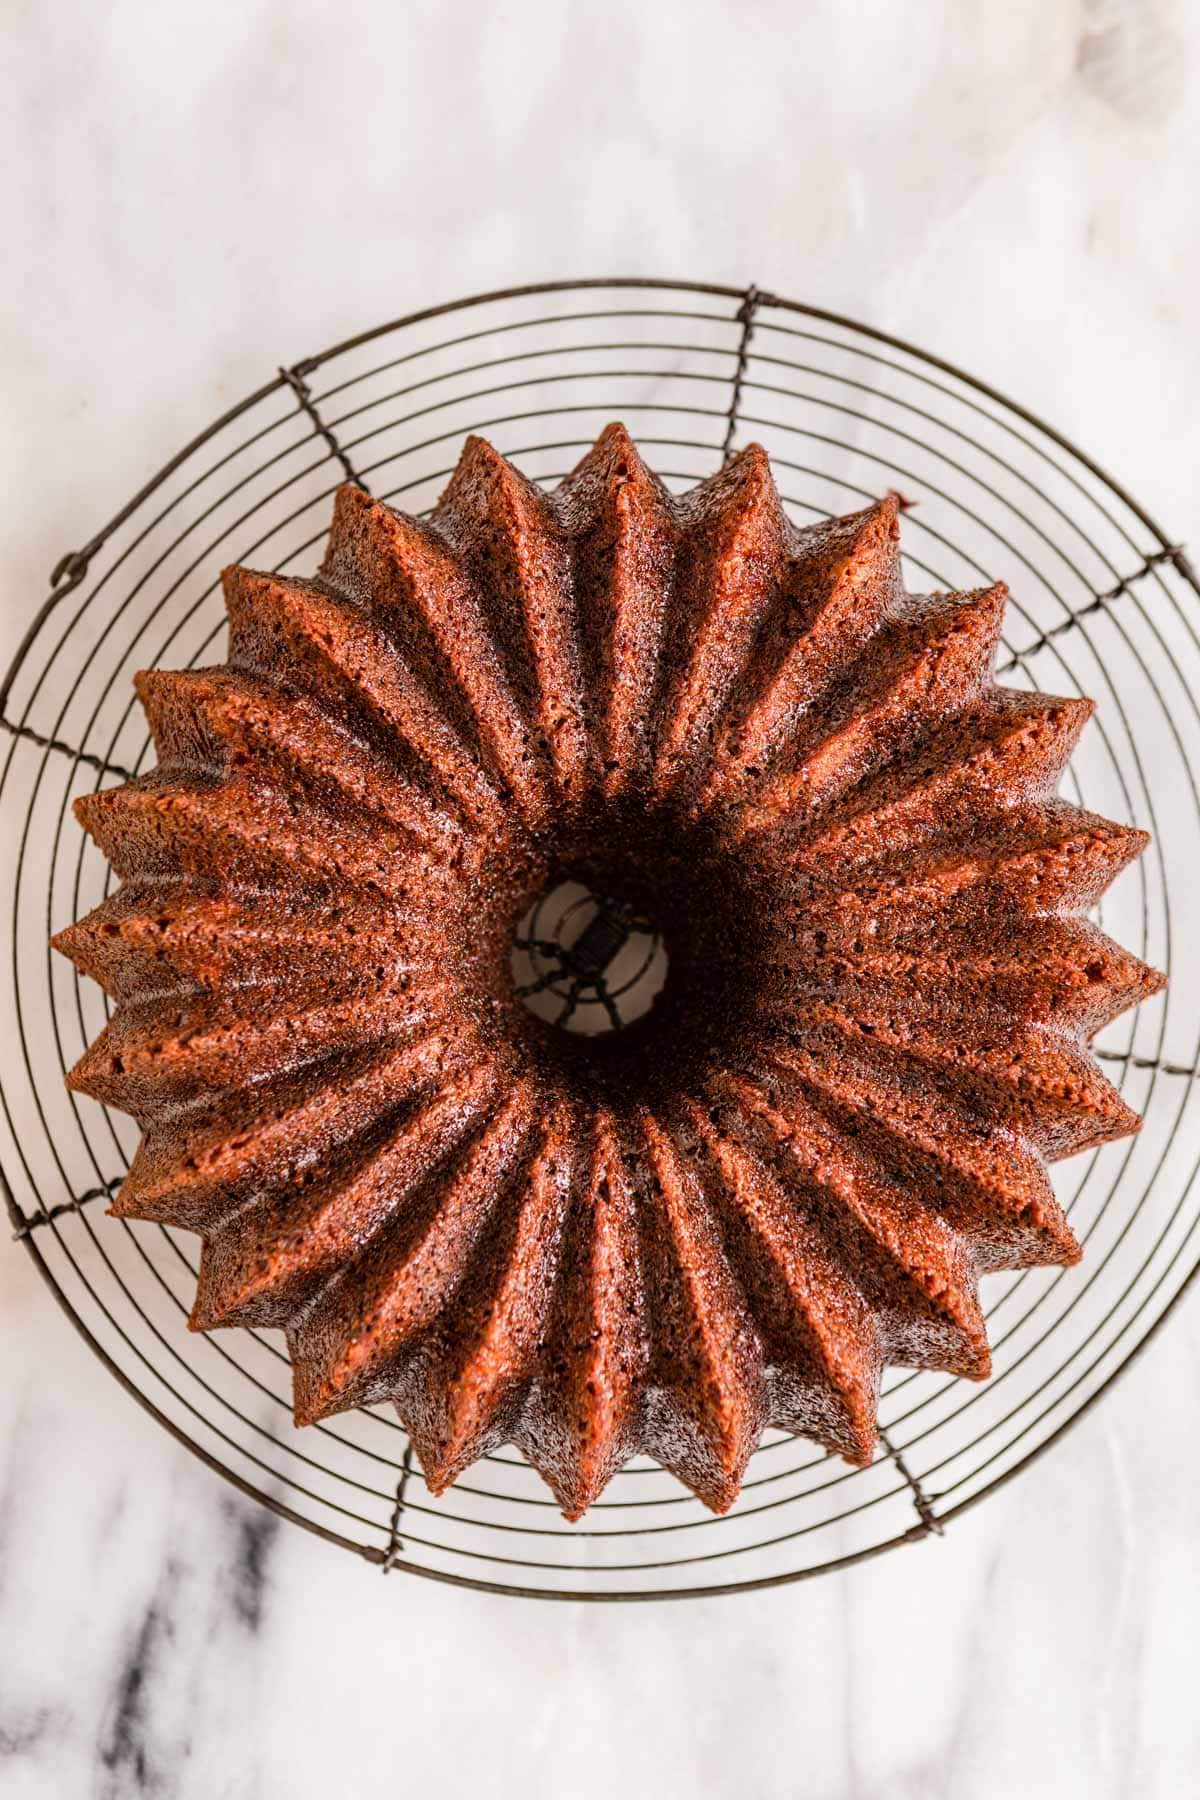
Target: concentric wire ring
point(1103, 603)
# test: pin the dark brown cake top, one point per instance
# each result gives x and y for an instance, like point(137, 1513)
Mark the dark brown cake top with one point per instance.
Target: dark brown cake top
point(792, 1171)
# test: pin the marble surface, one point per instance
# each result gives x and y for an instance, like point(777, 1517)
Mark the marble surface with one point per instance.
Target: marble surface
point(194, 194)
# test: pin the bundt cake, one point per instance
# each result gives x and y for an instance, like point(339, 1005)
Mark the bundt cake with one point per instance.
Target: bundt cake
point(794, 1168)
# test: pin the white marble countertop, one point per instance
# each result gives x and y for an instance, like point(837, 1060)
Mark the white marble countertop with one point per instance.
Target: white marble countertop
point(194, 195)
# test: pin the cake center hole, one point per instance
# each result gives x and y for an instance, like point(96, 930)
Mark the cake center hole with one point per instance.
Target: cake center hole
point(587, 962)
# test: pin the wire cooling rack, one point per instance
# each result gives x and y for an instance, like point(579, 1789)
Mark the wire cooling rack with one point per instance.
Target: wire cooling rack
point(1104, 604)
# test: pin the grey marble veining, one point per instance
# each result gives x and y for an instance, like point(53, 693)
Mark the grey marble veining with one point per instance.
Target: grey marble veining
point(193, 197)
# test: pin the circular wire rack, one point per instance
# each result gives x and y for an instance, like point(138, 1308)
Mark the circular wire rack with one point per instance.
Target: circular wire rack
point(1104, 603)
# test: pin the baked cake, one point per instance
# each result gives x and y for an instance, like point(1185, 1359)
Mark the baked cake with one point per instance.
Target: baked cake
point(788, 1174)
